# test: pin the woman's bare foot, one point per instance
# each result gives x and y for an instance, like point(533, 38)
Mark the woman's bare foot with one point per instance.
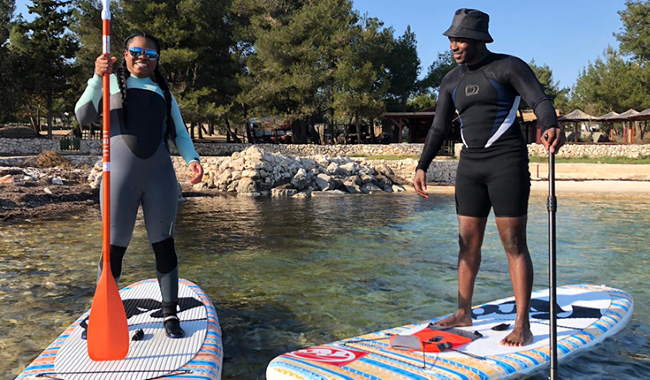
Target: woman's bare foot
point(520, 336)
point(460, 318)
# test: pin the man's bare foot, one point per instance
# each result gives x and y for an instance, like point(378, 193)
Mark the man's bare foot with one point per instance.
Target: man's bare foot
point(458, 319)
point(520, 336)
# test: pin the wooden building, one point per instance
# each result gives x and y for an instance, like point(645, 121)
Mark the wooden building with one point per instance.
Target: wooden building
point(411, 127)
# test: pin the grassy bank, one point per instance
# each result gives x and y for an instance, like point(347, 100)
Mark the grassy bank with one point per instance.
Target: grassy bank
point(541, 159)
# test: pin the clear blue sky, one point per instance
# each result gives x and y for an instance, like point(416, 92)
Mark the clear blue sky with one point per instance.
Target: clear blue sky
point(564, 34)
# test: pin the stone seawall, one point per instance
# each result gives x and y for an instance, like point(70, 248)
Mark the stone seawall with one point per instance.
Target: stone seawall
point(442, 170)
point(439, 171)
point(594, 150)
point(11, 146)
point(20, 147)
point(307, 150)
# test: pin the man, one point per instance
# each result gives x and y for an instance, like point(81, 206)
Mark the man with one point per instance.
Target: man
point(485, 90)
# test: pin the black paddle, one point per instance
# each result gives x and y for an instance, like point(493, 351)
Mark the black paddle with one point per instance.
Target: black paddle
point(551, 206)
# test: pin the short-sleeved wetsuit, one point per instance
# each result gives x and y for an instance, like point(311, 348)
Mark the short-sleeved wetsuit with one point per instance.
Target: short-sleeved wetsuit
point(141, 169)
point(493, 167)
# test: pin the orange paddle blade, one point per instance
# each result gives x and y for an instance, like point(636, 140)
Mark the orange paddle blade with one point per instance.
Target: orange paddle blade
point(108, 329)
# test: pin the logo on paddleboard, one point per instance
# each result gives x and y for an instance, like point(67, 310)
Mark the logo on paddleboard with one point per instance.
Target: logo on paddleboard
point(539, 309)
point(329, 355)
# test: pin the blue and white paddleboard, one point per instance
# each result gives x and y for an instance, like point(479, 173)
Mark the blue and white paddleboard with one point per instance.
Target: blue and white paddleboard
point(198, 355)
point(588, 315)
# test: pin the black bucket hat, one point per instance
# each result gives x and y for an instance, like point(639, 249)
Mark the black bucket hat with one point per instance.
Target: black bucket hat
point(470, 23)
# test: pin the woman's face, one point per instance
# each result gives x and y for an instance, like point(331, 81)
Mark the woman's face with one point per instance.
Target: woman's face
point(138, 61)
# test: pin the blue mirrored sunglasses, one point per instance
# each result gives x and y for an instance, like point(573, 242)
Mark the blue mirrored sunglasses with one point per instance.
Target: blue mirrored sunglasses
point(150, 54)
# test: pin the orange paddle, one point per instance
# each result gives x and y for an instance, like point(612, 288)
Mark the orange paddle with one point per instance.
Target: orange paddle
point(108, 329)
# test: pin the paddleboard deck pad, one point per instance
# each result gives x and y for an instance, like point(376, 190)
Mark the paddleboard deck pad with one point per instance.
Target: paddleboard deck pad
point(587, 314)
point(198, 355)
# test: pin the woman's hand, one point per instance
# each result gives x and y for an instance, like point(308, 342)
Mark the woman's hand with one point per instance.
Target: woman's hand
point(420, 183)
point(197, 172)
point(104, 64)
point(553, 139)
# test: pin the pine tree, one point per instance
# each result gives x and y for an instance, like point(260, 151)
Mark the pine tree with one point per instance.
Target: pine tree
point(195, 37)
point(611, 84)
point(551, 88)
point(45, 49)
point(362, 79)
point(8, 90)
point(635, 37)
point(403, 66)
point(7, 8)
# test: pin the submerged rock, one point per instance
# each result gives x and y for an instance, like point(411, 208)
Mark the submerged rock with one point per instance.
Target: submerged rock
point(283, 191)
point(300, 180)
point(323, 182)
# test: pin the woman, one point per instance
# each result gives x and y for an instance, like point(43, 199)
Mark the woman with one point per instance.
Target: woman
point(144, 116)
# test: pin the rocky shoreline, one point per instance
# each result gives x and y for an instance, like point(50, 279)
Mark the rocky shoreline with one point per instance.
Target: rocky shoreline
point(51, 186)
point(254, 172)
point(34, 190)
point(45, 193)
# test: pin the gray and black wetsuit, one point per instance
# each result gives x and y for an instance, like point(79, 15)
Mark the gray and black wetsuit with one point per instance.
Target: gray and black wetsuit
point(493, 167)
point(142, 173)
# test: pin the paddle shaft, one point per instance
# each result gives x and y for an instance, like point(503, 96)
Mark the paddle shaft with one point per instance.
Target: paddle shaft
point(108, 330)
point(106, 144)
point(552, 208)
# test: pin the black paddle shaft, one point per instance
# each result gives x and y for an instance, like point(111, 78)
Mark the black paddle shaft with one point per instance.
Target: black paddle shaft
point(551, 206)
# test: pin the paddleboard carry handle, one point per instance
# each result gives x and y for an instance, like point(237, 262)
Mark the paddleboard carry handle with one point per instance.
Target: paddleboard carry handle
point(501, 327)
point(139, 335)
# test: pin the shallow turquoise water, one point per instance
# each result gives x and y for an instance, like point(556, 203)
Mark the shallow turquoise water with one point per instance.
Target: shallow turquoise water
point(285, 274)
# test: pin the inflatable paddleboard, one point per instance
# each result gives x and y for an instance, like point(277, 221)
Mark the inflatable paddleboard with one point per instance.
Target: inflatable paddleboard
point(196, 356)
point(587, 314)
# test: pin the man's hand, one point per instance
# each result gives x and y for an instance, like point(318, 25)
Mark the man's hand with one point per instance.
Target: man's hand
point(197, 171)
point(553, 139)
point(420, 183)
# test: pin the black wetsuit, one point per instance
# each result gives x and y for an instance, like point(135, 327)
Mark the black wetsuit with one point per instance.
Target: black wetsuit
point(493, 167)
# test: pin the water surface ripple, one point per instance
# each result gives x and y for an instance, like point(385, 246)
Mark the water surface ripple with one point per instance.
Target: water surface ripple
point(286, 274)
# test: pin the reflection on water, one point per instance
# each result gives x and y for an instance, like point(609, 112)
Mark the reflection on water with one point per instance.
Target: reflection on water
point(285, 274)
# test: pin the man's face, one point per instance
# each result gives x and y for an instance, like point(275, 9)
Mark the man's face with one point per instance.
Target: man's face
point(464, 50)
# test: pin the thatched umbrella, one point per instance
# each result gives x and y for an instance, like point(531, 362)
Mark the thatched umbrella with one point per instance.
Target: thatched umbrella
point(628, 124)
point(643, 116)
point(576, 116)
point(608, 119)
point(625, 116)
